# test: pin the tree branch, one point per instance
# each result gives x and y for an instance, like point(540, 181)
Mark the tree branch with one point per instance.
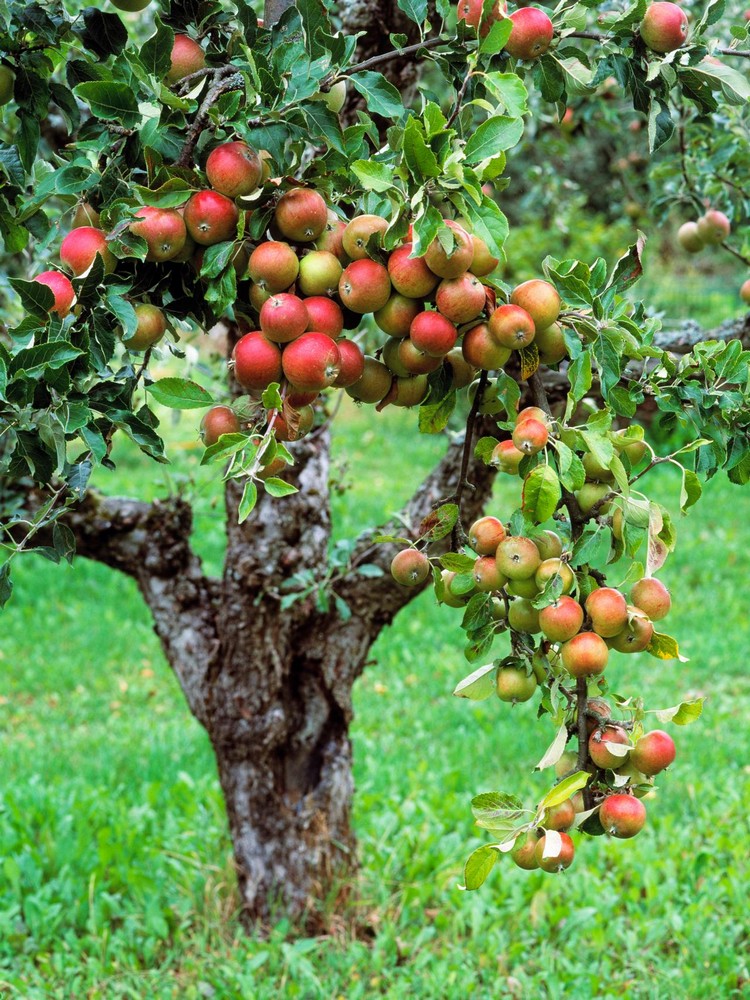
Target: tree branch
point(221, 85)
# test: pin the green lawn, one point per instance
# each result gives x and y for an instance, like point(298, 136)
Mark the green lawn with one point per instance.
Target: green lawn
point(116, 877)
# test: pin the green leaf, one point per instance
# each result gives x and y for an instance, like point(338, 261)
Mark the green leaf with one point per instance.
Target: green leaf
point(660, 124)
point(691, 489)
point(495, 39)
point(479, 684)
point(541, 493)
point(6, 584)
point(226, 446)
point(579, 375)
point(478, 866)
point(180, 394)
point(489, 223)
point(373, 176)
point(484, 448)
point(555, 750)
point(565, 788)
point(683, 714)
point(36, 298)
point(420, 159)
point(381, 96)
point(110, 101)
point(496, 805)
point(439, 523)
point(434, 417)
point(248, 500)
point(33, 361)
point(457, 562)
point(494, 135)
point(664, 647)
point(278, 488)
point(415, 10)
point(103, 33)
point(324, 123)
point(156, 52)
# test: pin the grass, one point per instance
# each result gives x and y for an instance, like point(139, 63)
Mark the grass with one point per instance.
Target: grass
point(115, 868)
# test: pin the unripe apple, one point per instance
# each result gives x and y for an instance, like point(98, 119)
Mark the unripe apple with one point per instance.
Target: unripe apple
point(433, 334)
point(257, 362)
point(523, 616)
point(518, 557)
point(460, 299)
point(324, 316)
point(331, 239)
point(523, 588)
point(358, 232)
point(85, 215)
point(486, 534)
point(335, 97)
point(538, 298)
point(585, 655)
point(482, 262)
point(234, 169)
point(651, 596)
point(595, 470)
point(653, 752)
point(515, 685)
point(600, 753)
point(462, 373)
point(481, 350)
point(163, 229)
point(408, 391)
point(564, 857)
point(487, 575)
point(301, 215)
point(560, 817)
point(396, 316)
point(273, 266)
point(80, 247)
point(352, 363)
point(258, 296)
point(416, 361)
point(664, 27)
point(364, 286)
point(555, 567)
point(7, 82)
point(745, 291)
point(311, 362)
point(152, 325)
point(410, 567)
point(374, 384)
point(490, 404)
point(506, 457)
point(714, 227)
point(283, 318)
point(390, 357)
point(622, 816)
point(219, 420)
point(531, 35)
point(689, 237)
point(523, 853)
point(211, 218)
point(608, 611)
point(636, 635)
point(562, 619)
point(590, 495)
point(459, 259)
point(530, 436)
point(549, 544)
point(449, 598)
point(511, 326)
point(61, 288)
point(274, 468)
point(567, 764)
point(319, 273)
point(633, 448)
point(410, 275)
point(187, 57)
point(131, 5)
point(550, 342)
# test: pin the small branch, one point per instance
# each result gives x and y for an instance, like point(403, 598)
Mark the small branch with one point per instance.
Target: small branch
point(740, 53)
point(219, 87)
point(735, 253)
point(457, 534)
point(597, 37)
point(383, 57)
point(583, 742)
point(459, 100)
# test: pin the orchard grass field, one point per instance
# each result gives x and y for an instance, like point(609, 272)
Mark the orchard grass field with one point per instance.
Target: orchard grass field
point(116, 874)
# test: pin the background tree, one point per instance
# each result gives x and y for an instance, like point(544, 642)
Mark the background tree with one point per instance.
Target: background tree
point(267, 656)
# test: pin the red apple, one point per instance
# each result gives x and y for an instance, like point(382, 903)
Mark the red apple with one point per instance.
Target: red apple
point(409, 275)
point(257, 362)
point(283, 318)
point(234, 169)
point(311, 362)
point(219, 420)
point(301, 215)
point(531, 35)
point(80, 247)
point(61, 288)
point(163, 229)
point(664, 27)
point(211, 218)
point(273, 265)
point(324, 316)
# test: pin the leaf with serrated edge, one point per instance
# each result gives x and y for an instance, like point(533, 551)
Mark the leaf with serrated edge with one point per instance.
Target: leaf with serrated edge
point(478, 866)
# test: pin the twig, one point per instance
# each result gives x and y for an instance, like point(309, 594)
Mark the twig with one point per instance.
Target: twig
point(596, 37)
point(382, 57)
point(459, 99)
point(457, 533)
point(219, 87)
point(583, 742)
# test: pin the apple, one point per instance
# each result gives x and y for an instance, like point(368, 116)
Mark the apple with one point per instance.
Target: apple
point(539, 298)
point(549, 569)
point(273, 265)
point(511, 326)
point(523, 616)
point(636, 635)
point(664, 27)
point(651, 596)
point(518, 557)
point(357, 234)
point(623, 816)
point(530, 436)
point(85, 215)
point(485, 535)
point(714, 227)
point(364, 286)
point(409, 275)
point(450, 265)
point(352, 363)
point(745, 291)
point(408, 391)
point(549, 544)
point(653, 752)
point(481, 350)
point(514, 685)
point(311, 362)
point(163, 229)
point(283, 318)
point(80, 247)
point(562, 619)
point(487, 575)
point(7, 83)
point(560, 817)
point(211, 218)
point(187, 57)
point(599, 752)
point(374, 383)
point(523, 853)
point(301, 215)
point(689, 237)
point(432, 333)
point(257, 361)
point(319, 273)
point(470, 11)
point(234, 169)
point(219, 420)
point(462, 373)
point(152, 326)
point(415, 360)
point(531, 35)
point(585, 655)
point(410, 567)
point(396, 316)
point(482, 261)
point(460, 299)
point(550, 342)
point(608, 611)
point(563, 857)
point(331, 239)
point(61, 288)
point(324, 316)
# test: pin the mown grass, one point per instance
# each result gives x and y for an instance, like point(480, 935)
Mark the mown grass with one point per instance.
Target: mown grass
point(115, 868)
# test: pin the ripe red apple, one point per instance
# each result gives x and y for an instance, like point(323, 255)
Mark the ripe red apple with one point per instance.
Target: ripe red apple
point(163, 229)
point(311, 362)
point(608, 611)
point(396, 316)
point(601, 755)
point(481, 350)
point(564, 857)
point(460, 299)
point(410, 567)
point(689, 237)
point(664, 27)
point(301, 215)
point(539, 298)
point(651, 596)
point(352, 363)
point(61, 288)
point(515, 685)
point(518, 557)
point(450, 265)
point(530, 436)
point(187, 57)
point(364, 286)
point(562, 619)
point(319, 273)
point(374, 384)
point(324, 316)
point(637, 633)
point(433, 334)
point(585, 655)
point(411, 276)
point(211, 218)
point(80, 247)
point(152, 325)
point(531, 35)
point(358, 232)
point(486, 534)
point(219, 420)
point(487, 576)
point(506, 457)
point(653, 752)
point(482, 263)
point(622, 816)
point(257, 361)
point(273, 266)
point(714, 227)
point(510, 325)
point(560, 817)
point(234, 169)
point(283, 318)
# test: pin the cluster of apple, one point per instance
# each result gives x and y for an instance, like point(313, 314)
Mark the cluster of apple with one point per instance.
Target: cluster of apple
point(710, 230)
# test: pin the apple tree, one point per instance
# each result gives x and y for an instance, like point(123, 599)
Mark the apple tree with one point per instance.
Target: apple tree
point(331, 195)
